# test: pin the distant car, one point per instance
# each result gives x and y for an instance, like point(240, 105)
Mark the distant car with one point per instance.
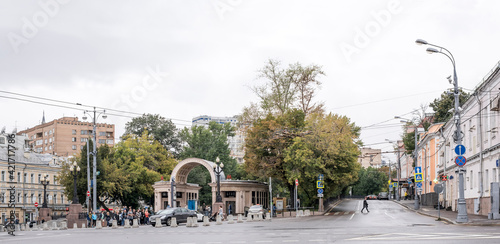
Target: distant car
point(383, 195)
point(180, 214)
point(371, 197)
point(256, 209)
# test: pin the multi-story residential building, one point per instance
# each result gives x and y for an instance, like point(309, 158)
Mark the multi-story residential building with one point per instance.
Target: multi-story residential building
point(480, 125)
point(370, 157)
point(236, 142)
point(29, 171)
point(66, 136)
point(427, 158)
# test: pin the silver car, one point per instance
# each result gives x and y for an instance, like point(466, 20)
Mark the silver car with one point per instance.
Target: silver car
point(256, 209)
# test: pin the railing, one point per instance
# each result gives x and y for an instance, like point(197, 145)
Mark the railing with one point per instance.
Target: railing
point(284, 212)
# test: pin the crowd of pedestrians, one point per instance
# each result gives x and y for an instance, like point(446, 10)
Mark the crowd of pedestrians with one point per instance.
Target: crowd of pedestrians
point(121, 215)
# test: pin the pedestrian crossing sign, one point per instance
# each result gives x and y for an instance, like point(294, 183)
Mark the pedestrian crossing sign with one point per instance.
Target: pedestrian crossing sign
point(418, 178)
point(320, 184)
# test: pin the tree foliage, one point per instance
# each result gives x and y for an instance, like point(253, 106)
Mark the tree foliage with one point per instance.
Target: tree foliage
point(371, 181)
point(444, 103)
point(290, 147)
point(162, 130)
point(126, 172)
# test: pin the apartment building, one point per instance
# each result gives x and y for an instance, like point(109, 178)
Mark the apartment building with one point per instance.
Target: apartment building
point(480, 125)
point(30, 168)
point(370, 157)
point(67, 136)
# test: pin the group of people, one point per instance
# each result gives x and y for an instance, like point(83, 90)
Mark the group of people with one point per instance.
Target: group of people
point(121, 215)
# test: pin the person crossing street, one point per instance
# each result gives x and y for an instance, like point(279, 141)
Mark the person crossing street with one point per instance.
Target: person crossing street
point(365, 206)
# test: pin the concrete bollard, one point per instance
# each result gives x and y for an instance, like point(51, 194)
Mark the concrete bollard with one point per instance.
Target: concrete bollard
point(158, 223)
point(189, 222)
point(260, 217)
point(45, 226)
point(18, 227)
point(194, 221)
point(75, 226)
point(35, 227)
point(307, 212)
point(206, 221)
point(54, 225)
point(249, 217)
point(300, 213)
point(114, 224)
point(1, 228)
point(64, 225)
point(127, 223)
point(135, 223)
point(240, 218)
point(219, 220)
point(173, 222)
point(98, 225)
point(84, 225)
point(23, 227)
point(268, 216)
point(230, 219)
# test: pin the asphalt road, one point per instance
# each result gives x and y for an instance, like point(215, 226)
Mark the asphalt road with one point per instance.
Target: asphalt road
point(387, 222)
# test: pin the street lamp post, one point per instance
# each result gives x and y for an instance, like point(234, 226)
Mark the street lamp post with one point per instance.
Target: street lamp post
point(96, 114)
point(74, 171)
point(45, 182)
point(462, 208)
point(218, 170)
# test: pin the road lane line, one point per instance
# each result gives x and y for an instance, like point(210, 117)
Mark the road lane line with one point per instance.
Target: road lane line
point(290, 240)
point(388, 215)
point(351, 217)
point(263, 241)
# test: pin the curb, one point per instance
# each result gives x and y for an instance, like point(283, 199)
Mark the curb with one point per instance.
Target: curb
point(449, 221)
point(444, 219)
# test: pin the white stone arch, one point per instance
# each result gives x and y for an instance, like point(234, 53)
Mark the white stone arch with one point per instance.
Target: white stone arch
point(182, 169)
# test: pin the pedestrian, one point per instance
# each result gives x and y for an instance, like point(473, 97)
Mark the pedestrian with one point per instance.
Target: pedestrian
point(365, 206)
point(130, 215)
point(146, 215)
point(108, 218)
point(221, 213)
point(274, 210)
point(94, 219)
point(406, 195)
point(229, 210)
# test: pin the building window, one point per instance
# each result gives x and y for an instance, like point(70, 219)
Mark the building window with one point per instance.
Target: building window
point(73, 132)
point(102, 141)
point(50, 147)
point(73, 139)
point(39, 178)
point(62, 199)
point(486, 180)
point(2, 140)
point(81, 147)
point(471, 179)
point(31, 198)
point(25, 176)
point(84, 139)
point(73, 147)
point(3, 175)
point(55, 181)
point(2, 200)
point(39, 198)
point(50, 132)
point(18, 197)
point(84, 132)
point(50, 139)
point(102, 133)
point(32, 178)
point(55, 199)
point(45, 141)
point(109, 141)
point(18, 176)
point(45, 133)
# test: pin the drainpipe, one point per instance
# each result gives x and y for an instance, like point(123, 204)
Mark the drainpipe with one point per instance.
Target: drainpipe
point(444, 151)
point(480, 129)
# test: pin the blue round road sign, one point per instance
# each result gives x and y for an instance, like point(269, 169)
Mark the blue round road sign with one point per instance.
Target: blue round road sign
point(320, 191)
point(460, 149)
point(460, 161)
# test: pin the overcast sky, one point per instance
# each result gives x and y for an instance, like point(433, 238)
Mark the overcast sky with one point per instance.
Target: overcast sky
point(182, 59)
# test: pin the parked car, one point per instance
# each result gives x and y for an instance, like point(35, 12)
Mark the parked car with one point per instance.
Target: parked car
point(371, 197)
point(256, 209)
point(383, 195)
point(180, 214)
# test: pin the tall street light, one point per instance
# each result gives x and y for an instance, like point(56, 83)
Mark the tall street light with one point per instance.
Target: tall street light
point(218, 170)
point(398, 171)
point(95, 116)
point(462, 208)
point(74, 171)
point(45, 181)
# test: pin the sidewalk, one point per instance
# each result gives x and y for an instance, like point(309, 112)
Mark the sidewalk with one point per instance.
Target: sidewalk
point(449, 216)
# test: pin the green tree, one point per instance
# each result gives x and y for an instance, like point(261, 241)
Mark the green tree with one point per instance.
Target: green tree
point(444, 103)
point(209, 143)
point(370, 181)
point(161, 129)
point(126, 172)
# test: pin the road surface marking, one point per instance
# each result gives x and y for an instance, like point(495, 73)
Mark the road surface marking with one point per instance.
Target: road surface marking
point(388, 215)
point(290, 240)
point(351, 217)
point(263, 241)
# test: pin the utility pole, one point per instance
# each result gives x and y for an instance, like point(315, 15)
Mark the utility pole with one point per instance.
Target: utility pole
point(398, 197)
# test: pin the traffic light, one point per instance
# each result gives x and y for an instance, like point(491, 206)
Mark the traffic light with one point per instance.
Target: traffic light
point(444, 177)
